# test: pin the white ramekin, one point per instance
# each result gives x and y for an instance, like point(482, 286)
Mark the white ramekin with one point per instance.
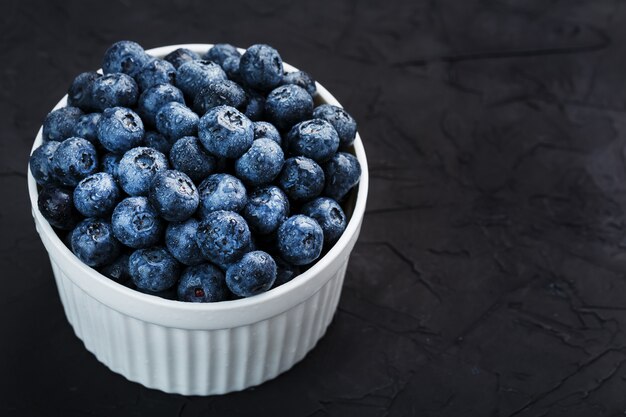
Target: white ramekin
point(201, 349)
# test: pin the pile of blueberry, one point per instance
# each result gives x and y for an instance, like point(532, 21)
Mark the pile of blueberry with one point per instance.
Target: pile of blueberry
point(197, 178)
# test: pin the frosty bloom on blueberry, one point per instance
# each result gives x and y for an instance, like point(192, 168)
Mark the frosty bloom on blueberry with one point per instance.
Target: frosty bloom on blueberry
point(225, 132)
point(202, 284)
point(120, 129)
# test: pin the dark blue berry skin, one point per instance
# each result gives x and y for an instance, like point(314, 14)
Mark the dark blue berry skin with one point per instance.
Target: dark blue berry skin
point(41, 162)
point(136, 223)
point(342, 172)
point(118, 270)
point(92, 242)
point(225, 132)
point(221, 192)
point(120, 129)
point(261, 163)
point(155, 97)
point(73, 160)
point(261, 67)
point(253, 274)
point(302, 179)
point(157, 141)
point(193, 76)
point(124, 56)
point(315, 139)
point(57, 206)
point(300, 240)
point(175, 120)
point(223, 237)
point(266, 210)
point(97, 195)
point(344, 124)
point(114, 90)
point(80, 93)
point(137, 168)
point(220, 51)
point(156, 71)
point(231, 68)
point(266, 130)
point(173, 195)
point(153, 269)
point(329, 215)
point(202, 284)
point(301, 79)
point(219, 93)
point(255, 107)
point(287, 105)
point(109, 163)
point(189, 156)
point(285, 272)
point(180, 239)
point(180, 56)
point(87, 127)
point(59, 123)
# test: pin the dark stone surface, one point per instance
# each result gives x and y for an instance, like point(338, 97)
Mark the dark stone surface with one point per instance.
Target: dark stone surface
point(490, 277)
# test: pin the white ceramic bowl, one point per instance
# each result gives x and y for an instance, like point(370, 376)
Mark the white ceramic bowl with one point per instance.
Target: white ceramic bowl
point(201, 349)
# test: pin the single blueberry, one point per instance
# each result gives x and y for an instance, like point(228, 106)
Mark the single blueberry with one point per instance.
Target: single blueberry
point(261, 67)
point(118, 270)
point(300, 240)
point(285, 272)
point(221, 192)
point(220, 51)
point(287, 105)
point(301, 179)
point(266, 130)
point(315, 139)
point(255, 106)
point(344, 124)
point(92, 242)
point(157, 141)
point(137, 168)
point(109, 163)
point(188, 156)
point(136, 223)
point(155, 97)
point(225, 132)
point(261, 163)
point(193, 76)
point(173, 195)
point(266, 210)
point(203, 283)
point(342, 173)
point(219, 93)
point(180, 239)
point(181, 55)
point(329, 215)
point(73, 160)
point(120, 129)
point(87, 127)
point(41, 162)
point(114, 90)
point(97, 195)
point(153, 269)
point(301, 79)
point(231, 68)
point(253, 274)
point(223, 237)
point(59, 124)
point(56, 205)
point(124, 56)
point(80, 92)
point(175, 120)
point(156, 71)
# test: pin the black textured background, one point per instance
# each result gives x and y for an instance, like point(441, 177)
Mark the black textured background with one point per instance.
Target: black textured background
point(490, 276)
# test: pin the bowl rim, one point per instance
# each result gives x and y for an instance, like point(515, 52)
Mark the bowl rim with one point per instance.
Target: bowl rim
point(280, 298)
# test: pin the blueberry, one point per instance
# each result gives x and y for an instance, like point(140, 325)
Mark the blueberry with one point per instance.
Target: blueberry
point(155, 97)
point(261, 67)
point(136, 223)
point(193, 76)
point(56, 205)
point(73, 160)
point(231, 68)
point(137, 168)
point(266, 130)
point(266, 210)
point(221, 192)
point(261, 163)
point(219, 93)
point(342, 173)
point(80, 92)
point(300, 240)
point(253, 274)
point(301, 79)
point(153, 269)
point(87, 127)
point(288, 105)
point(156, 71)
point(301, 178)
point(220, 51)
point(118, 269)
point(285, 272)
point(181, 55)
point(93, 243)
point(225, 132)
point(97, 195)
point(188, 156)
point(180, 239)
point(109, 163)
point(120, 129)
point(41, 162)
point(114, 90)
point(329, 215)
point(124, 56)
point(173, 195)
point(223, 236)
point(255, 105)
point(175, 120)
point(59, 123)
point(157, 141)
point(202, 284)
point(315, 139)
point(343, 123)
